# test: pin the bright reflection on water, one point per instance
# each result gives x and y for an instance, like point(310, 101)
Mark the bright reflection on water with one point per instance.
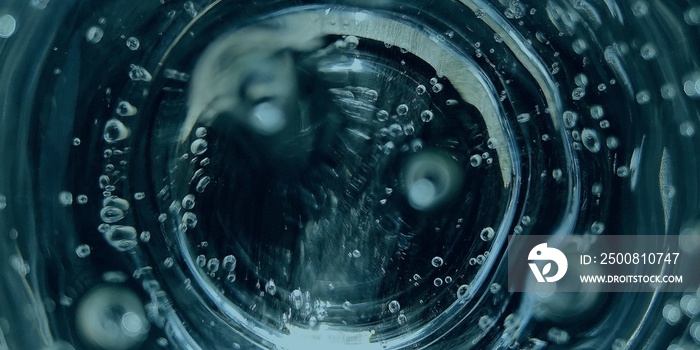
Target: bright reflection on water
point(293, 175)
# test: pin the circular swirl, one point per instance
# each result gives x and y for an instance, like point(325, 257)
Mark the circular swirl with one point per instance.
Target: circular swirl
point(343, 174)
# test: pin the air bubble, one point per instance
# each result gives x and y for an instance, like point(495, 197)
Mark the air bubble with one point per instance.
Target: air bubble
point(382, 115)
point(622, 171)
point(597, 227)
point(612, 142)
point(523, 118)
point(578, 93)
point(82, 250)
point(640, 8)
point(229, 263)
point(690, 305)
point(125, 109)
point(115, 131)
point(401, 319)
point(270, 287)
point(672, 314)
point(202, 184)
point(487, 234)
point(426, 116)
point(437, 87)
point(691, 84)
point(132, 43)
point(138, 73)
point(437, 282)
point(597, 112)
point(93, 35)
point(648, 51)
point(475, 160)
point(188, 202)
point(351, 42)
point(495, 288)
point(420, 89)
point(121, 237)
point(451, 102)
point(590, 140)
point(213, 265)
point(198, 146)
point(189, 219)
point(687, 129)
point(557, 174)
point(394, 306)
point(485, 322)
point(145, 236)
point(76, 141)
point(570, 119)
point(111, 214)
point(65, 198)
point(643, 97)
point(437, 261)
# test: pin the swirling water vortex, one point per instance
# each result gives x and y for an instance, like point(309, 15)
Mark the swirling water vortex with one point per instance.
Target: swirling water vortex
point(345, 174)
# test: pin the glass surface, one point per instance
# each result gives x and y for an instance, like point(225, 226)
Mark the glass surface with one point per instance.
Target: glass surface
point(291, 175)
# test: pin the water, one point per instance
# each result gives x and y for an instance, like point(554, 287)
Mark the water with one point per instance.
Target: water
point(299, 175)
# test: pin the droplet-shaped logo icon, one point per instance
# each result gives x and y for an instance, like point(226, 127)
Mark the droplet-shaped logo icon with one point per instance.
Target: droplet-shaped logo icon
point(543, 253)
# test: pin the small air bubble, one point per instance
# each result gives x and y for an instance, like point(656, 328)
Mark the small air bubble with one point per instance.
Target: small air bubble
point(597, 227)
point(648, 51)
point(437, 282)
point(437, 261)
point(475, 160)
point(198, 146)
point(622, 171)
point(138, 73)
point(202, 184)
point(437, 87)
point(523, 118)
point(132, 43)
point(557, 174)
point(640, 8)
point(570, 119)
point(402, 109)
point(578, 93)
point(597, 112)
point(426, 116)
point(82, 250)
point(65, 198)
point(687, 129)
point(394, 306)
point(590, 140)
point(125, 108)
point(401, 319)
point(94, 34)
point(643, 97)
point(420, 89)
point(115, 131)
point(487, 234)
point(382, 115)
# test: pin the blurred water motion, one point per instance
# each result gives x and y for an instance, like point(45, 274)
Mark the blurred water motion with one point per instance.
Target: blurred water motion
point(301, 174)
